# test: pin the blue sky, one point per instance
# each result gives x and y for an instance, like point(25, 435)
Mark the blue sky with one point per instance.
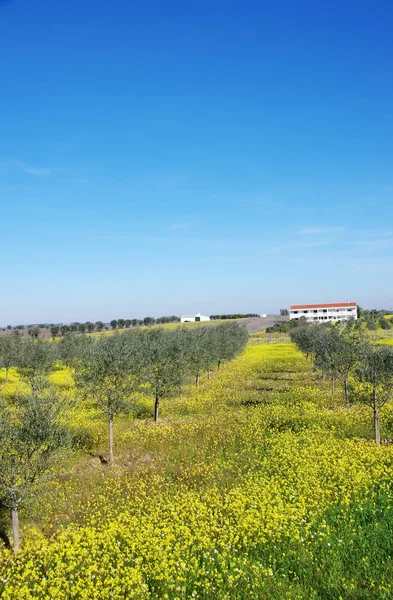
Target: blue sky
point(168, 157)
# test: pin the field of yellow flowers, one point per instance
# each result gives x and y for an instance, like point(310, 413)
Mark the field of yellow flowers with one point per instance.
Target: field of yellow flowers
point(258, 484)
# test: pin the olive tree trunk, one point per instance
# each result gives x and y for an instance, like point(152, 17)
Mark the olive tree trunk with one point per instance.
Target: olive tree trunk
point(111, 435)
point(15, 519)
point(346, 391)
point(156, 405)
point(377, 430)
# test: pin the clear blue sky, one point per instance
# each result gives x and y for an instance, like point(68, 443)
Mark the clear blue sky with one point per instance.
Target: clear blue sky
point(167, 157)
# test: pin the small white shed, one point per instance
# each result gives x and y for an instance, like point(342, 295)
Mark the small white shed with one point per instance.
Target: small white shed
point(192, 318)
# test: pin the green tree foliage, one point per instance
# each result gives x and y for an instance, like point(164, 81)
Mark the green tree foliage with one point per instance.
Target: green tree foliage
point(344, 351)
point(375, 372)
point(149, 321)
point(72, 347)
point(65, 329)
point(161, 367)
point(371, 324)
point(106, 369)
point(233, 316)
point(197, 344)
point(34, 332)
point(287, 326)
point(384, 323)
point(166, 319)
point(113, 323)
point(9, 352)
point(55, 330)
point(32, 433)
point(99, 325)
point(305, 338)
point(34, 361)
point(230, 339)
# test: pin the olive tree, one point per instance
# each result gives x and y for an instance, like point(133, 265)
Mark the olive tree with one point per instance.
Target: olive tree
point(348, 347)
point(99, 325)
point(212, 349)
point(55, 330)
point(197, 351)
point(162, 367)
point(375, 372)
point(34, 332)
point(89, 326)
point(304, 337)
point(72, 347)
point(32, 433)
point(229, 340)
point(106, 370)
point(35, 360)
point(9, 352)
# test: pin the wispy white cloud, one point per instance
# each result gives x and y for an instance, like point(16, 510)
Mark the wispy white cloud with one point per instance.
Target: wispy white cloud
point(39, 171)
point(31, 170)
point(319, 230)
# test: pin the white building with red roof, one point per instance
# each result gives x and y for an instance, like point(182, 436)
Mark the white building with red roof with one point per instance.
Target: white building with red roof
point(337, 311)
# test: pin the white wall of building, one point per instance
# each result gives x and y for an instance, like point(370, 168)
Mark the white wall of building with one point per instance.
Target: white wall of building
point(193, 318)
point(315, 315)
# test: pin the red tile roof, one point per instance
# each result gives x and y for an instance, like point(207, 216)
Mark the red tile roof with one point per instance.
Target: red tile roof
point(334, 305)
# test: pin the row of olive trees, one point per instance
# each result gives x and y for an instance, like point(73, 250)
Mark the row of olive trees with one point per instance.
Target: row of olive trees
point(110, 369)
point(345, 353)
point(32, 427)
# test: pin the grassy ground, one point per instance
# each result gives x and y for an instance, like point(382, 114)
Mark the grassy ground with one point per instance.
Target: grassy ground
point(260, 484)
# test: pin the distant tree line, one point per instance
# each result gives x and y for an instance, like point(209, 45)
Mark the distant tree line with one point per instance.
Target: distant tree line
point(57, 329)
point(233, 316)
point(112, 371)
point(345, 353)
point(146, 321)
